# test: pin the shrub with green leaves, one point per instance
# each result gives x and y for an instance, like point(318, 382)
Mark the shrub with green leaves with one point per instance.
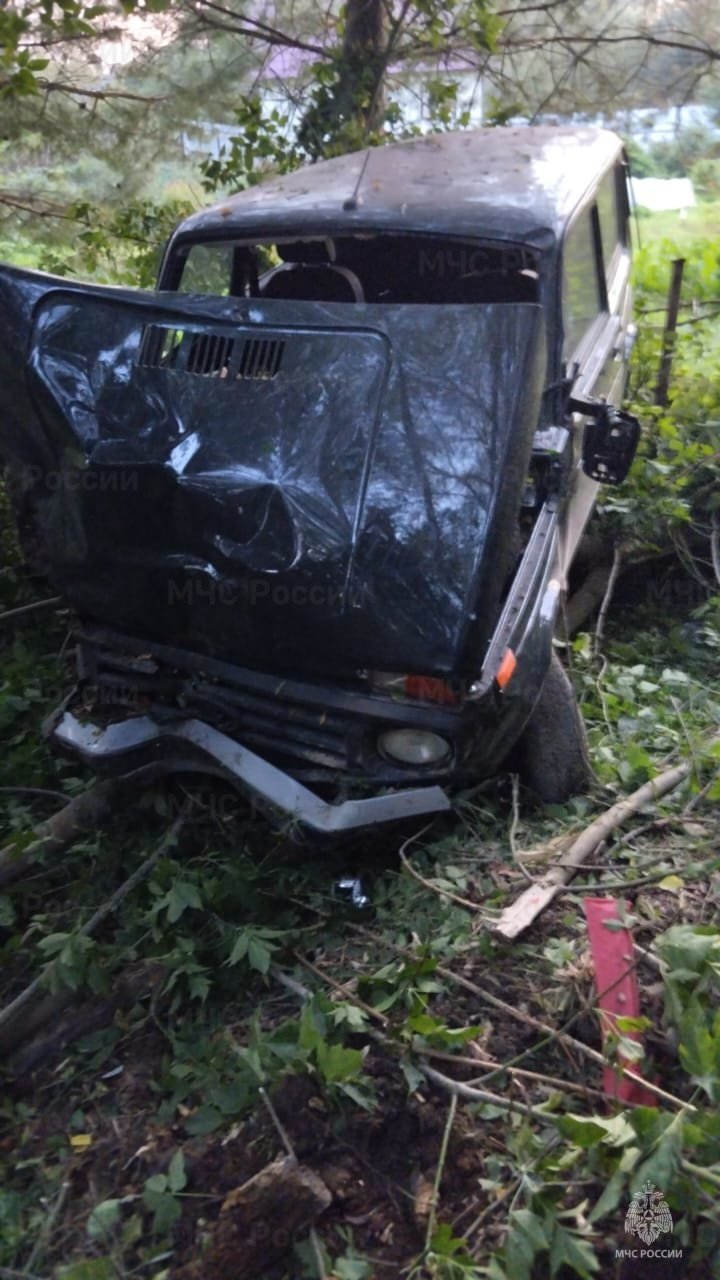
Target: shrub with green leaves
point(673, 486)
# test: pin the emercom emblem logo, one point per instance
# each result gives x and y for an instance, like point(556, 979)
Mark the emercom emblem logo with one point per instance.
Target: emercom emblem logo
point(648, 1216)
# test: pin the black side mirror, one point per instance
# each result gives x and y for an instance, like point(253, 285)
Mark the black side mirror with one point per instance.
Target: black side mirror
point(610, 440)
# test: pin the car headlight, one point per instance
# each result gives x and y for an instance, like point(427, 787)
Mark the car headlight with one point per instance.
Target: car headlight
point(414, 746)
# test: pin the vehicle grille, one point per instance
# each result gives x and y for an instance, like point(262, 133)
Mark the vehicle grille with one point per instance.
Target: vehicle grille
point(274, 726)
point(210, 355)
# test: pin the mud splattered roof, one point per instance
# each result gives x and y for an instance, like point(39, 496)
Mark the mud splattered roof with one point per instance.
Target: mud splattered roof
point(519, 183)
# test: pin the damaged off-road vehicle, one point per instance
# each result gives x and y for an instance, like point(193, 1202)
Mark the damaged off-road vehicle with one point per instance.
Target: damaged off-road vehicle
point(314, 501)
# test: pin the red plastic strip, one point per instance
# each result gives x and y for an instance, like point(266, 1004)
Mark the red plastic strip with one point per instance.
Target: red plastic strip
point(618, 994)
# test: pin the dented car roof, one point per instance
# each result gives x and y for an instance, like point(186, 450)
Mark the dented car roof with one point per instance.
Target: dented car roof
point(505, 183)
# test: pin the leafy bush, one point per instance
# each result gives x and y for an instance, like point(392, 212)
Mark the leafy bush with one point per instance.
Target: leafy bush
point(673, 485)
point(705, 175)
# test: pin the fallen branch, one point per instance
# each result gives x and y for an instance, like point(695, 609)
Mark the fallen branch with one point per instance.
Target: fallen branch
point(552, 847)
point(450, 1086)
point(550, 1034)
point(342, 990)
point(9, 1273)
point(436, 888)
point(79, 816)
point(30, 608)
point(501, 1068)
point(470, 1094)
point(41, 1243)
point(43, 792)
point(440, 1169)
point(425, 1051)
point(514, 824)
point(64, 1028)
point(14, 1015)
point(560, 1037)
point(521, 913)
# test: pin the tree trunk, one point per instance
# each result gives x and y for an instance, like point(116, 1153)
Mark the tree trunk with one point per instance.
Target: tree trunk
point(363, 69)
point(347, 111)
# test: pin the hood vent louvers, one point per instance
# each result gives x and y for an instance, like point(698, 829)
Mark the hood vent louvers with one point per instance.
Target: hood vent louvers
point(210, 355)
point(260, 358)
point(207, 354)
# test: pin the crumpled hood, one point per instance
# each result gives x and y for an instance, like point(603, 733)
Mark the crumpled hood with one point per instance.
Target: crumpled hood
point(295, 486)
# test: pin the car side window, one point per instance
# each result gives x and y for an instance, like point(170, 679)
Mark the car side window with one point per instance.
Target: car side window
point(583, 291)
point(611, 213)
point(208, 269)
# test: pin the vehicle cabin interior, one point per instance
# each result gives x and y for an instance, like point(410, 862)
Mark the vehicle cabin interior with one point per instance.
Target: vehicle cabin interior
point(361, 268)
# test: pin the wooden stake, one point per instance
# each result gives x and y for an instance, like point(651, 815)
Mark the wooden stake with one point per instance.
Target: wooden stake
point(668, 340)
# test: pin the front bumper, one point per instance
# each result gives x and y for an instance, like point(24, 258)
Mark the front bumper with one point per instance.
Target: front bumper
point(126, 739)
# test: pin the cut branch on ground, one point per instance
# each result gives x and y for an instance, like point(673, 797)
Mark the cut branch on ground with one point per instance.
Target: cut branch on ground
point(517, 917)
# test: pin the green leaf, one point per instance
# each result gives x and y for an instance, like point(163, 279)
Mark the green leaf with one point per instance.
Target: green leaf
point(198, 986)
point(363, 1095)
point(583, 1133)
point(352, 1269)
point(531, 1226)
point(527, 1238)
point(176, 1176)
point(432, 1029)
point(568, 1249)
point(586, 1133)
point(240, 947)
point(132, 1230)
point(349, 1015)
point(661, 1166)
point(445, 1245)
point(89, 1269)
point(256, 946)
point(167, 1210)
point(103, 1219)
point(312, 1026)
point(671, 883)
point(204, 1120)
point(625, 1023)
point(335, 1062)
point(610, 1198)
point(231, 1099)
point(156, 1184)
point(259, 954)
point(699, 1049)
point(413, 1076)
point(52, 943)
point(181, 895)
point(687, 948)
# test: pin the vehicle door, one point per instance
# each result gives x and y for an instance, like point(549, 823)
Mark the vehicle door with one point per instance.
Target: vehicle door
point(597, 324)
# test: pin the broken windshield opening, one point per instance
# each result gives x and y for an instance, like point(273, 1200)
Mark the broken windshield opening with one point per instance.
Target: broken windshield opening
point(361, 268)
